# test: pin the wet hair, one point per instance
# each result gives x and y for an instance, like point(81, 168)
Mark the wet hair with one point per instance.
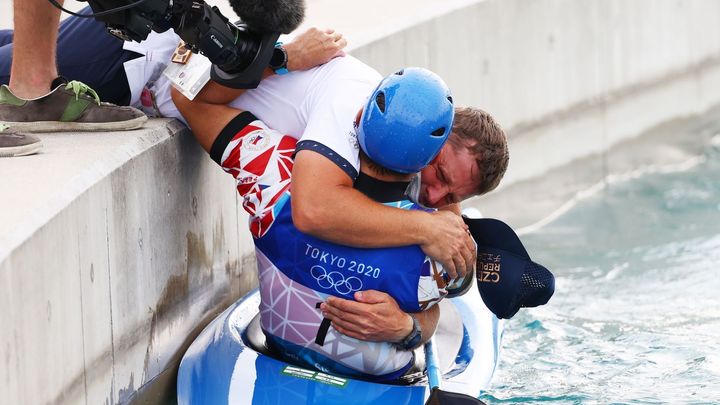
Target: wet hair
point(477, 131)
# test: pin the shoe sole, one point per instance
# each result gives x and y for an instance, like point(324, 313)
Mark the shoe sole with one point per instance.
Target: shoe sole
point(24, 150)
point(59, 126)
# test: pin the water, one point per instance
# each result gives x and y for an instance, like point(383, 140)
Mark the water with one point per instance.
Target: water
point(636, 313)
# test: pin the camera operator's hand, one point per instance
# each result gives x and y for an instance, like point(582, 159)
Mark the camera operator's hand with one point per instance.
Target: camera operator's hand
point(314, 47)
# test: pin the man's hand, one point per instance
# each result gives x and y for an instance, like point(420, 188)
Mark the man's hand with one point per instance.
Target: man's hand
point(374, 317)
point(450, 243)
point(314, 47)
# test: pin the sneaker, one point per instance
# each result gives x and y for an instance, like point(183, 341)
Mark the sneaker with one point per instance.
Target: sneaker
point(71, 106)
point(17, 144)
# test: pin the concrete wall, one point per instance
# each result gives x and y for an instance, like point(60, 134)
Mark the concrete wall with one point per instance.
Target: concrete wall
point(103, 296)
point(107, 294)
point(567, 78)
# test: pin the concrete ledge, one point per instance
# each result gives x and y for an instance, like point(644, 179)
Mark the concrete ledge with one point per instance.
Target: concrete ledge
point(115, 248)
point(113, 261)
point(44, 184)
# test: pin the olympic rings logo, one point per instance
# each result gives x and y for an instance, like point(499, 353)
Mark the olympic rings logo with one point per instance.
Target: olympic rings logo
point(335, 280)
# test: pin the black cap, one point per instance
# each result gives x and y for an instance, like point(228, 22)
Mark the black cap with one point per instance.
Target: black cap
point(507, 279)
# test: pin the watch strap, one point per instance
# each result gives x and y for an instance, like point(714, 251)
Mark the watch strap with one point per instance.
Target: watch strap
point(278, 62)
point(413, 339)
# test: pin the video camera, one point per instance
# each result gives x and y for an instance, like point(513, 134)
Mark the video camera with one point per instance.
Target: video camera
point(239, 52)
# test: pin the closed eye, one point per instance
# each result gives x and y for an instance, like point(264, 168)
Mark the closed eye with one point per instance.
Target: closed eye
point(450, 198)
point(441, 175)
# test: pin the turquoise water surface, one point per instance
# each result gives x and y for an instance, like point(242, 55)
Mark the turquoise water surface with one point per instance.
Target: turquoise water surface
point(636, 313)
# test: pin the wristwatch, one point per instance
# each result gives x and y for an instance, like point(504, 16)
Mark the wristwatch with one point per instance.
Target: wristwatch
point(278, 62)
point(411, 341)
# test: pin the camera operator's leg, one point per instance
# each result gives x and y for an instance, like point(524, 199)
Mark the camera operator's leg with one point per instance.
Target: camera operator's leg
point(36, 24)
point(11, 143)
point(5, 55)
point(27, 105)
point(36, 27)
point(6, 37)
point(97, 63)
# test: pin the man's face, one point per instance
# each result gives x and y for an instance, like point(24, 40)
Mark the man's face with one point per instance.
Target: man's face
point(452, 177)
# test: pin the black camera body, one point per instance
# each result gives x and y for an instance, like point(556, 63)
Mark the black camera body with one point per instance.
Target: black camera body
point(135, 23)
point(238, 53)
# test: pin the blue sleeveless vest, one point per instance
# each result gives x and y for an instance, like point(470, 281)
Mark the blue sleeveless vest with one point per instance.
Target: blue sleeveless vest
point(341, 270)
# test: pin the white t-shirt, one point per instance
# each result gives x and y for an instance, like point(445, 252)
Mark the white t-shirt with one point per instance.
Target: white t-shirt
point(316, 106)
point(149, 89)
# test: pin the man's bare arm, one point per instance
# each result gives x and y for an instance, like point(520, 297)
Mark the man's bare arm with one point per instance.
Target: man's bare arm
point(376, 317)
point(196, 114)
point(326, 205)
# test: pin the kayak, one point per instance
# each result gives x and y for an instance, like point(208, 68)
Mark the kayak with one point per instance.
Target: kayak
point(228, 362)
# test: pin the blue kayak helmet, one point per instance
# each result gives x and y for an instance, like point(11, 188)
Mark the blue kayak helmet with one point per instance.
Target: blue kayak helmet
point(407, 120)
